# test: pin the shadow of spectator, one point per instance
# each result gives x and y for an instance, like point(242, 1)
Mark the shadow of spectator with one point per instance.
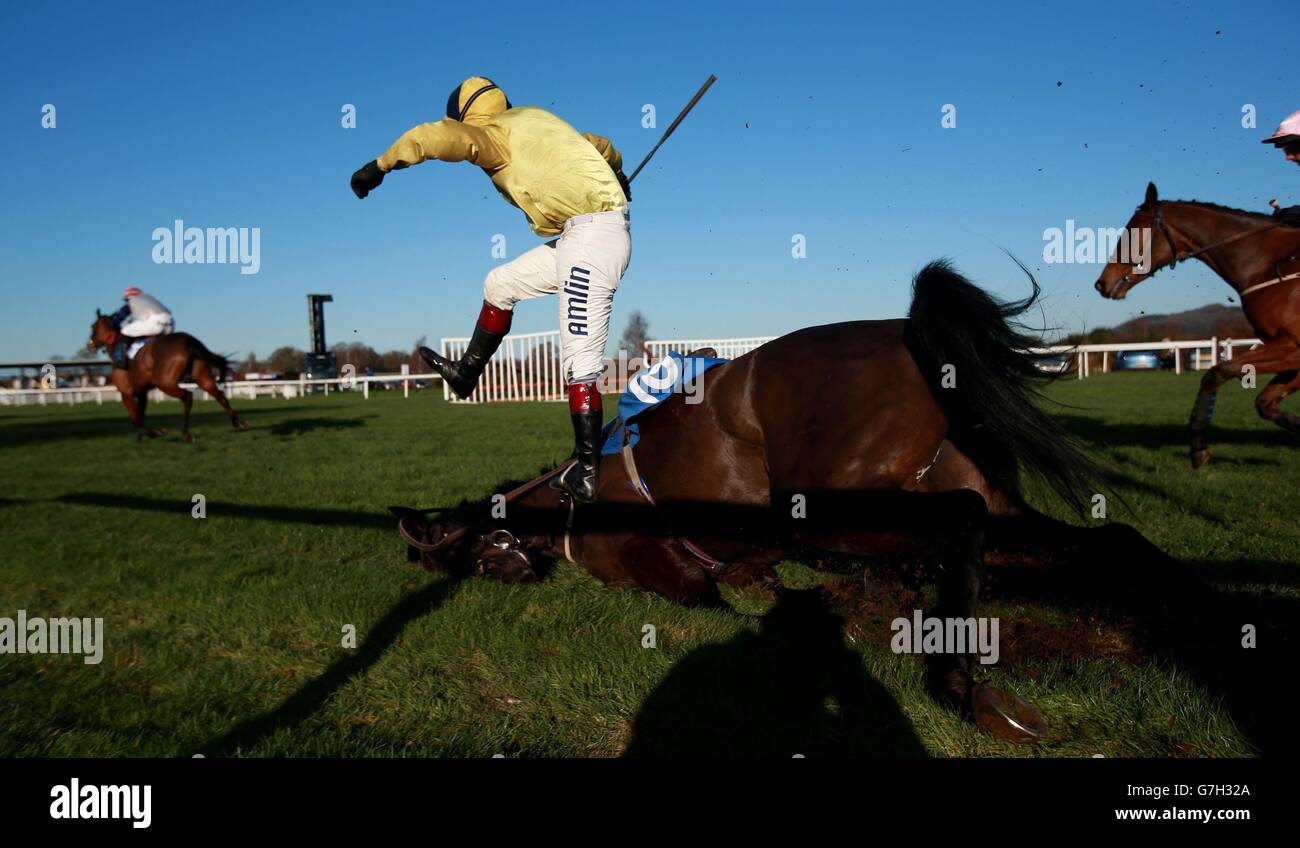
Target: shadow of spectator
point(794, 687)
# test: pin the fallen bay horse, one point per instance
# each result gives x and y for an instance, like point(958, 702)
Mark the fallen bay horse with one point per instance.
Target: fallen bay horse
point(1255, 255)
point(853, 440)
point(164, 364)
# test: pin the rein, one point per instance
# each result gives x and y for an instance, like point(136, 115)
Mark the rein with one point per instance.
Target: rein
point(513, 494)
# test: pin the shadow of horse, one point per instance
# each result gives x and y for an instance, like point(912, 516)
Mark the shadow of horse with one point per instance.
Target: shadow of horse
point(299, 426)
point(34, 431)
point(1103, 434)
point(285, 514)
point(792, 688)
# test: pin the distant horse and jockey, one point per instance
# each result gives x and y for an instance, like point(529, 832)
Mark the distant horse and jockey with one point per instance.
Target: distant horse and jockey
point(1259, 257)
point(163, 360)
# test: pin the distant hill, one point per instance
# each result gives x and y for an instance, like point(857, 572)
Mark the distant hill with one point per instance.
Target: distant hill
point(1203, 322)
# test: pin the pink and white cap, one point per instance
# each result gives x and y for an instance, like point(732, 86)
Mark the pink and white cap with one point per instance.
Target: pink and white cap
point(131, 292)
point(1287, 131)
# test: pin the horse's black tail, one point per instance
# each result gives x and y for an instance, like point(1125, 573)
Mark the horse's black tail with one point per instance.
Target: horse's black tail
point(220, 363)
point(975, 357)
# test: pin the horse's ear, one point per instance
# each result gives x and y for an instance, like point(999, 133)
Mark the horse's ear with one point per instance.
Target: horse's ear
point(97, 314)
point(1151, 197)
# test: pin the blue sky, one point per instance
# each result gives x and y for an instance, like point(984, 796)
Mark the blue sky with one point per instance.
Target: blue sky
point(825, 122)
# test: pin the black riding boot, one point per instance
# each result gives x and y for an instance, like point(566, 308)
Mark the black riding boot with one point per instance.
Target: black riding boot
point(582, 478)
point(119, 353)
point(462, 375)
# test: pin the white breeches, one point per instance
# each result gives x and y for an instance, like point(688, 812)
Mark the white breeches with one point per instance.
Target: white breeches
point(584, 266)
point(152, 325)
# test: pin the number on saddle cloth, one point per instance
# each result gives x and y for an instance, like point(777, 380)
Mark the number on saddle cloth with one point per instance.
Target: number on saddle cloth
point(649, 388)
point(137, 345)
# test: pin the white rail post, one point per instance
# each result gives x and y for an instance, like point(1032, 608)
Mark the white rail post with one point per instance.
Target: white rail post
point(365, 388)
point(406, 383)
point(1214, 351)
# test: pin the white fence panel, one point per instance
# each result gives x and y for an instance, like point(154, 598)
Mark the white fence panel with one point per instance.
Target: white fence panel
point(525, 367)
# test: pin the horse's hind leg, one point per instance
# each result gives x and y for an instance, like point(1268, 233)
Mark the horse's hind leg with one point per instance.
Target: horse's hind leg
point(1275, 356)
point(1278, 389)
point(948, 526)
point(203, 376)
point(186, 398)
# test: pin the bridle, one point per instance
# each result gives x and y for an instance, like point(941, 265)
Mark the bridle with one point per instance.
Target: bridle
point(1160, 223)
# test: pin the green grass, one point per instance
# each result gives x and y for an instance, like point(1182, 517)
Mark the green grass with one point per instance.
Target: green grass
point(224, 635)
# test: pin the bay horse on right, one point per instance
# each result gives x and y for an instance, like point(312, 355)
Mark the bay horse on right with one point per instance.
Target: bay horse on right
point(1260, 259)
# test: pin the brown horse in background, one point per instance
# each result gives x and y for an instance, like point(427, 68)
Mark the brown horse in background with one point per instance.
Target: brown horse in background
point(164, 364)
point(1260, 260)
point(853, 440)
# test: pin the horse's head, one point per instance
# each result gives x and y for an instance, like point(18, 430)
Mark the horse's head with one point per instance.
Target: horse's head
point(1145, 246)
point(467, 540)
point(102, 332)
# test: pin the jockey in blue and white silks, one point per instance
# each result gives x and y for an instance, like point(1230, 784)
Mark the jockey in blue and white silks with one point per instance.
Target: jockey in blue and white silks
point(142, 316)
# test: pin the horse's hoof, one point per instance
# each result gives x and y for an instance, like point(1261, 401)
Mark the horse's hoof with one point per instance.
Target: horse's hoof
point(139, 436)
point(241, 424)
point(189, 438)
point(1200, 457)
point(1006, 716)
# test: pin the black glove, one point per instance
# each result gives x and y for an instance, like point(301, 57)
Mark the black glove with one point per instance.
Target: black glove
point(366, 178)
point(1288, 215)
point(627, 186)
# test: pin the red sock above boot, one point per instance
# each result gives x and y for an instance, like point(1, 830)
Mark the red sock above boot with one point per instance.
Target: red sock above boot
point(583, 397)
point(493, 320)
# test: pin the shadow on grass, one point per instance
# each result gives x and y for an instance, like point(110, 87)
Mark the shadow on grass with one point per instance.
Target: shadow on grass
point(1105, 434)
point(1258, 571)
point(299, 426)
point(1180, 621)
point(311, 697)
point(792, 688)
point(288, 514)
point(40, 431)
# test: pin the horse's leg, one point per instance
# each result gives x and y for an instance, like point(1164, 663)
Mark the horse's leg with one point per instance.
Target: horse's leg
point(133, 410)
point(142, 404)
point(663, 566)
point(1274, 356)
point(948, 526)
point(186, 398)
point(653, 563)
point(1278, 389)
point(203, 377)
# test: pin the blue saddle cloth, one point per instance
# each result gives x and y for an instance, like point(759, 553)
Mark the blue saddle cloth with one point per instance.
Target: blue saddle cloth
point(651, 387)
